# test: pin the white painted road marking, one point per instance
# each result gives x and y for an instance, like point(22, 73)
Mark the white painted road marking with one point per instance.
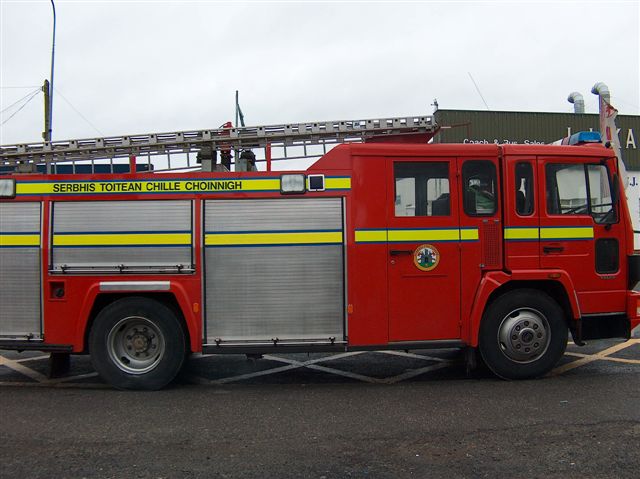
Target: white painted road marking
point(39, 379)
point(602, 355)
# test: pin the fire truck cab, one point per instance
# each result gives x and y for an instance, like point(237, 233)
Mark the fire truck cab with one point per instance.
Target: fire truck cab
point(502, 249)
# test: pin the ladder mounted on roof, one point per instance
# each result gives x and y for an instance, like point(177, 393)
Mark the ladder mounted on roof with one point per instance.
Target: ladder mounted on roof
point(286, 139)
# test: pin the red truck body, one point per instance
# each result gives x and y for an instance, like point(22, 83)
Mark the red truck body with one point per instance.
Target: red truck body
point(402, 245)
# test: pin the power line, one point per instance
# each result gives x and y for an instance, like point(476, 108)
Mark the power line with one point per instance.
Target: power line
point(78, 112)
point(479, 92)
point(623, 101)
point(15, 103)
point(33, 95)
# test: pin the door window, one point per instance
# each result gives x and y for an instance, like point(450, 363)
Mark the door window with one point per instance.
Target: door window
point(524, 189)
point(422, 189)
point(479, 182)
point(579, 190)
point(566, 189)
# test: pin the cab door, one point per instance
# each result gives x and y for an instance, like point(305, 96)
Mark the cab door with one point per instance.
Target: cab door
point(423, 249)
point(521, 214)
point(580, 232)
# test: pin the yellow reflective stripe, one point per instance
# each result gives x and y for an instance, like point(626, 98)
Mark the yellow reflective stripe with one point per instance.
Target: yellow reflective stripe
point(579, 232)
point(371, 236)
point(337, 183)
point(306, 237)
point(402, 235)
point(33, 188)
point(20, 240)
point(469, 234)
point(246, 184)
point(124, 239)
point(152, 185)
point(568, 233)
point(521, 233)
point(165, 185)
point(424, 235)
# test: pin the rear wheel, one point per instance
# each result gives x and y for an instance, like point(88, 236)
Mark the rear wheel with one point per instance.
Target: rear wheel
point(523, 334)
point(137, 343)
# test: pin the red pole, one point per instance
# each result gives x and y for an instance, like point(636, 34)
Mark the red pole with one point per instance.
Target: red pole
point(267, 154)
point(132, 164)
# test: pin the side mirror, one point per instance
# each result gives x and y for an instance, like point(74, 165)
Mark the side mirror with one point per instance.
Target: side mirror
point(615, 192)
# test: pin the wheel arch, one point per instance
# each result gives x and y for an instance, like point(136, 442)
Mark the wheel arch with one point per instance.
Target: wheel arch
point(560, 289)
point(102, 300)
point(554, 289)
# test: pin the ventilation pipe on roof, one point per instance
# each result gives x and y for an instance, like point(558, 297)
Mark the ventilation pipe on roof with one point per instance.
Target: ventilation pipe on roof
point(578, 102)
point(602, 90)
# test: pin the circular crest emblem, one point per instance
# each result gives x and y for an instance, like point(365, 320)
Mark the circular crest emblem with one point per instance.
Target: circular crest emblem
point(426, 257)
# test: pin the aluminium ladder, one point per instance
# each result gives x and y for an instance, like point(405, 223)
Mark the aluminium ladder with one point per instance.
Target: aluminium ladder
point(285, 139)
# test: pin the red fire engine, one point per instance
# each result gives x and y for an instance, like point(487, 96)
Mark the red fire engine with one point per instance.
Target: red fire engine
point(384, 242)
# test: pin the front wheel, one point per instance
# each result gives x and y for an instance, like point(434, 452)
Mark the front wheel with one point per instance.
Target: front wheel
point(523, 334)
point(137, 343)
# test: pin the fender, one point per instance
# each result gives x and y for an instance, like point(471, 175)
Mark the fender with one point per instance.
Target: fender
point(83, 316)
point(190, 310)
point(496, 279)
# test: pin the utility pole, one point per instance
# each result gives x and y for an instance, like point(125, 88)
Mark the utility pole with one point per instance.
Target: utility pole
point(49, 130)
point(46, 134)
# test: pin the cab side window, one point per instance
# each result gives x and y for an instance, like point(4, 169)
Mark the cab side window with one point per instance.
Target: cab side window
point(479, 182)
point(566, 189)
point(524, 188)
point(580, 190)
point(422, 189)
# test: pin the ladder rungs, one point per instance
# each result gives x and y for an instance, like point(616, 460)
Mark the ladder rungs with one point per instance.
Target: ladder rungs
point(294, 134)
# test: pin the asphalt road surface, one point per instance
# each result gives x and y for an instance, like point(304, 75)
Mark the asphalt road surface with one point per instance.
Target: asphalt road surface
point(364, 415)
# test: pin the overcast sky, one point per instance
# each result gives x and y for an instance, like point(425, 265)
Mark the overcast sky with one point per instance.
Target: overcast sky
point(124, 67)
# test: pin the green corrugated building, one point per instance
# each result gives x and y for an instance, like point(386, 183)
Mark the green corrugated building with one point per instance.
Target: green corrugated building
point(464, 126)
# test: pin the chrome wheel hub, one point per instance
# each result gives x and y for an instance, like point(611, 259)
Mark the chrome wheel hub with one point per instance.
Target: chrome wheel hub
point(135, 345)
point(524, 335)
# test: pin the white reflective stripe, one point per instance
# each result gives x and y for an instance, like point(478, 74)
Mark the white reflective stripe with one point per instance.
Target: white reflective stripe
point(135, 285)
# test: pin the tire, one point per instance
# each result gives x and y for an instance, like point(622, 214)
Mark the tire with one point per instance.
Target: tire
point(137, 343)
point(523, 334)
